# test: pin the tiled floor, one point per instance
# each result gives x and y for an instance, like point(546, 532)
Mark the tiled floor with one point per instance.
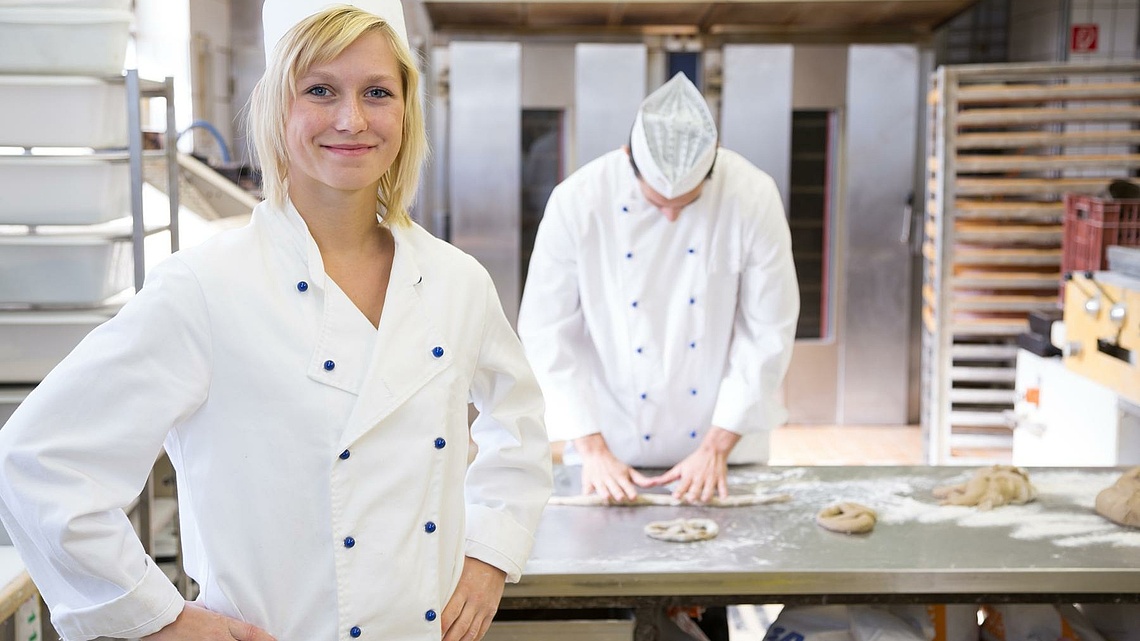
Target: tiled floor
point(846, 445)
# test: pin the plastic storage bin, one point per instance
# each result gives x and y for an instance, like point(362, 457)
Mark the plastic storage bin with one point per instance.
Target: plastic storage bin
point(62, 111)
point(1092, 224)
point(77, 190)
point(63, 40)
point(32, 343)
point(63, 270)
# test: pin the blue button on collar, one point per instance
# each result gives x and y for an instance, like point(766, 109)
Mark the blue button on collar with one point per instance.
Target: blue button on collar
point(430, 615)
point(429, 527)
point(349, 542)
point(440, 443)
point(345, 454)
point(437, 351)
point(302, 286)
point(329, 365)
point(354, 632)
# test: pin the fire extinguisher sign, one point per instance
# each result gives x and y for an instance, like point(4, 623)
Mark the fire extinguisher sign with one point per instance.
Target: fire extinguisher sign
point(1084, 38)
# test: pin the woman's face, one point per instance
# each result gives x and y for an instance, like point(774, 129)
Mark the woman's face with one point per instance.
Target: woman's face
point(345, 126)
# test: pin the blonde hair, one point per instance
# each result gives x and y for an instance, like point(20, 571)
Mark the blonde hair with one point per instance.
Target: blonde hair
point(313, 41)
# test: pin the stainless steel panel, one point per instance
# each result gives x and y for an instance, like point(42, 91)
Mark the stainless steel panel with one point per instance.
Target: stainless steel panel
point(756, 107)
point(436, 175)
point(609, 85)
point(879, 160)
point(484, 159)
point(810, 386)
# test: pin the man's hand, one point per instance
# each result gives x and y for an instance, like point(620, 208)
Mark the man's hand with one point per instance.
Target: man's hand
point(196, 623)
point(603, 473)
point(472, 606)
point(704, 472)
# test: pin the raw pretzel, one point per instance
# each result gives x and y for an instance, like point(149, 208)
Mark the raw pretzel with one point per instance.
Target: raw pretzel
point(991, 487)
point(847, 518)
point(682, 530)
point(1120, 502)
point(738, 500)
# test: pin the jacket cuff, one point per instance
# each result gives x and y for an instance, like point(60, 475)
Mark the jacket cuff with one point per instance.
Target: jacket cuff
point(151, 605)
point(495, 538)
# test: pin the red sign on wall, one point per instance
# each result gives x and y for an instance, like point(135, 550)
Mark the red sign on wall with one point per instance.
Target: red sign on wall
point(1083, 39)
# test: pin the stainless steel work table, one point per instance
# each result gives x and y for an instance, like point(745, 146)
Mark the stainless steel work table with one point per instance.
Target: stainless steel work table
point(1056, 549)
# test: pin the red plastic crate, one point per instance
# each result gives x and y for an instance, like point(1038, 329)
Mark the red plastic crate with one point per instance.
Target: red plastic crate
point(1092, 224)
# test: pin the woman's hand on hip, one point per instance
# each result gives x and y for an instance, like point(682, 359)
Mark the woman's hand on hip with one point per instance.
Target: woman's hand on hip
point(196, 623)
point(472, 606)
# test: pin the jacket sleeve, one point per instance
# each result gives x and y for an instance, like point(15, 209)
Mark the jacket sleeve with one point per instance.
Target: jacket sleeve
point(80, 447)
point(553, 328)
point(510, 480)
point(764, 329)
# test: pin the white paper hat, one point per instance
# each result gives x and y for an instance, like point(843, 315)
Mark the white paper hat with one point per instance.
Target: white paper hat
point(674, 138)
point(279, 16)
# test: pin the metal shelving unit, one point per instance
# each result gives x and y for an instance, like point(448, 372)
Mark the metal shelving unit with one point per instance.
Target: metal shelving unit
point(136, 90)
point(1007, 141)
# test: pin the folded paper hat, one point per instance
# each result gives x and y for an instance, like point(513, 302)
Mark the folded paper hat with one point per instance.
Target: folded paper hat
point(674, 138)
point(279, 16)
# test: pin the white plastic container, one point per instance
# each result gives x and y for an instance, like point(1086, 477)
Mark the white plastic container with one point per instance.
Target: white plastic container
point(82, 190)
point(120, 5)
point(32, 343)
point(63, 40)
point(10, 399)
point(62, 111)
point(63, 270)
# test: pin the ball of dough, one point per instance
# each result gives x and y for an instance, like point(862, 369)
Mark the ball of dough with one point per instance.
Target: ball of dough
point(1121, 501)
point(682, 530)
point(989, 488)
point(847, 518)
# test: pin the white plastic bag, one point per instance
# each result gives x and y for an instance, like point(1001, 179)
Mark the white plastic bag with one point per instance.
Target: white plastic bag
point(1036, 622)
point(1116, 622)
point(876, 623)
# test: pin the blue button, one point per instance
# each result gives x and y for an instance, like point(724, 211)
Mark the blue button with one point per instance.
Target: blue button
point(430, 615)
point(629, 254)
point(437, 351)
point(643, 395)
point(693, 391)
point(354, 632)
point(692, 301)
point(439, 443)
point(345, 454)
point(640, 350)
point(329, 365)
point(692, 251)
point(693, 345)
point(693, 434)
point(349, 541)
point(634, 303)
point(624, 208)
point(646, 437)
point(429, 527)
point(302, 286)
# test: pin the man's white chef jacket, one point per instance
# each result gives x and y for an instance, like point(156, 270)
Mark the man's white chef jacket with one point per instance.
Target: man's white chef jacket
point(651, 332)
point(323, 480)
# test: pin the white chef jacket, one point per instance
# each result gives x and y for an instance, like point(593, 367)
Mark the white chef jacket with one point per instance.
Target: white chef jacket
point(322, 464)
point(651, 332)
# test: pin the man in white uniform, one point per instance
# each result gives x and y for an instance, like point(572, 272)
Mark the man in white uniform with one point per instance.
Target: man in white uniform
point(660, 307)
